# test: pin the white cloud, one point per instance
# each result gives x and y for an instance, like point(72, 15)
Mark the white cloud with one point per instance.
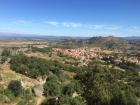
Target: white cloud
point(53, 23)
point(104, 27)
point(22, 21)
point(71, 24)
point(64, 24)
point(135, 29)
point(84, 26)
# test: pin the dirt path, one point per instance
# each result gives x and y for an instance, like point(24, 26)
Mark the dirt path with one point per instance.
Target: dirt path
point(39, 100)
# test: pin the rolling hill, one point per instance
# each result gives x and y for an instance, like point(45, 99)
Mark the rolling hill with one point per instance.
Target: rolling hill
point(108, 42)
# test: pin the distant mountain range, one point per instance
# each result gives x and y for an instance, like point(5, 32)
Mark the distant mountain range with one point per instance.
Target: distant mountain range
point(55, 37)
point(16, 36)
point(108, 42)
point(132, 38)
point(65, 41)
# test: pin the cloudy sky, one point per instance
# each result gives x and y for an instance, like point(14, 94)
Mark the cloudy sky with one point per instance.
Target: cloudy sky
point(71, 17)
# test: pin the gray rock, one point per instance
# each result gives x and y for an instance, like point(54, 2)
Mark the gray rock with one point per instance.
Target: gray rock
point(38, 90)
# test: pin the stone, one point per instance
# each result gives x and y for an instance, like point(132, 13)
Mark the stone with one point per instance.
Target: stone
point(38, 90)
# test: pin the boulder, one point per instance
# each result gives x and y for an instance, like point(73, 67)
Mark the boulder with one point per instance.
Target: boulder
point(38, 90)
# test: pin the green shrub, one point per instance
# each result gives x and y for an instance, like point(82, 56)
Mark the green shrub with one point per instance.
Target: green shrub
point(6, 96)
point(52, 87)
point(27, 98)
point(72, 87)
point(6, 52)
point(15, 87)
point(34, 67)
point(3, 59)
point(102, 88)
point(67, 100)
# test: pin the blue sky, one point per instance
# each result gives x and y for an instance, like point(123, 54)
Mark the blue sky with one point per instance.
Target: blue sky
point(71, 17)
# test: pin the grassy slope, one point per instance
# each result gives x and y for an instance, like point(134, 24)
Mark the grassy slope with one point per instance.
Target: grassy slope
point(7, 75)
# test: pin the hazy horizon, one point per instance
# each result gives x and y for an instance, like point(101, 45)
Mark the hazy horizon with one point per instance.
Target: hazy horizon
point(4, 34)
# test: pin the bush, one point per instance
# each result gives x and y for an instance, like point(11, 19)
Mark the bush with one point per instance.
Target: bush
point(34, 67)
point(27, 98)
point(6, 53)
point(43, 50)
point(102, 88)
point(67, 100)
point(15, 87)
point(52, 87)
point(72, 87)
point(6, 96)
point(3, 59)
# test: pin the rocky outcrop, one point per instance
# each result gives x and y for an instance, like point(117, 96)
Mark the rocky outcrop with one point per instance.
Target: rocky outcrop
point(38, 90)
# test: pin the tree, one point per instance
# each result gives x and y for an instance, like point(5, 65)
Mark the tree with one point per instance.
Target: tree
point(15, 87)
point(6, 52)
point(52, 87)
point(30, 66)
point(102, 88)
point(34, 67)
point(67, 100)
point(72, 87)
point(3, 59)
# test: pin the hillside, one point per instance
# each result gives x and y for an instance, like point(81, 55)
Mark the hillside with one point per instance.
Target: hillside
point(45, 74)
point(108, 42)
